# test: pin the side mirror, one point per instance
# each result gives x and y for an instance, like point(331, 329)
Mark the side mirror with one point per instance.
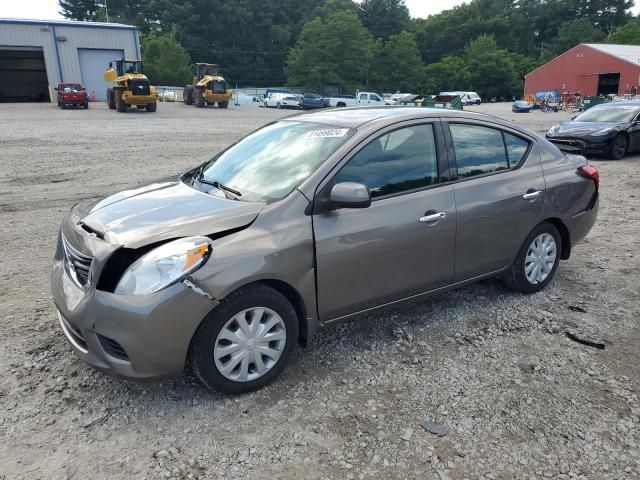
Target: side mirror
point(350, 195)
point(55, 88)
point(110, 64)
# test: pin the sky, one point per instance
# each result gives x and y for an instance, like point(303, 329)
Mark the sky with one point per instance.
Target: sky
point(48, 9)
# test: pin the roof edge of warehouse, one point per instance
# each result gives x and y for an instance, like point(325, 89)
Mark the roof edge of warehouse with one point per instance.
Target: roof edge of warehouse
point(66, 23)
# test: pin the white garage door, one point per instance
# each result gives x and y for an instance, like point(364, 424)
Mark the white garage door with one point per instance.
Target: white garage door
point(93, 63)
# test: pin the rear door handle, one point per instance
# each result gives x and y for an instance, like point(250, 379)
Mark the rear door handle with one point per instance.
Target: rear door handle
point(532, 194)
point(434, 217)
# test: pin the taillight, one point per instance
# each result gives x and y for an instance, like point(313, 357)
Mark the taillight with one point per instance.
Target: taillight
point(590, 172)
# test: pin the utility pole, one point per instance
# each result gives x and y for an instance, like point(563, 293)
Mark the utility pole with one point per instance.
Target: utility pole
point(106, 9)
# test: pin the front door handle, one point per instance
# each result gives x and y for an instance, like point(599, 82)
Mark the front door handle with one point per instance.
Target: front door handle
point(434, 217)
point(532, 194)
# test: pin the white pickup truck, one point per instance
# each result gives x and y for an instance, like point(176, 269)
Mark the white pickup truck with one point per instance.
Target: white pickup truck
point(361, 99)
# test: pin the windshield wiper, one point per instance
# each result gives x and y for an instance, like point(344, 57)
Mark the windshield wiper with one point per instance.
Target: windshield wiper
point(222, 187)
point(214, 183)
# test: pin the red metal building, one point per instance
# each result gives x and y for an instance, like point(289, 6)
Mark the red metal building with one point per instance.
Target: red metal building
point(593, 69)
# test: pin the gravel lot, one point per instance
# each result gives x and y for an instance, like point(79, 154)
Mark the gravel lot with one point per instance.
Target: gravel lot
point(508, 394)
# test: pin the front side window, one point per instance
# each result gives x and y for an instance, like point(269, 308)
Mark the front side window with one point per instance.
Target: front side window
point(269, 163)
point(478, 150)
point(402, 160)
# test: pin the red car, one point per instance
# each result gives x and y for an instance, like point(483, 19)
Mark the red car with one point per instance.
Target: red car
point(72, 95)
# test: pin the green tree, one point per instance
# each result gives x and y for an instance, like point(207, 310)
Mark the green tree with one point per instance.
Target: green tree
point(130, 12)
point(336, 50)
point(398, 65)
point(450, 73)
point(384, 17)
point(628, 34)
point(575, 32)
point(166, 62)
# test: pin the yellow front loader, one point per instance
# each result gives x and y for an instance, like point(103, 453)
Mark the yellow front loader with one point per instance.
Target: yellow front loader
point(208, 87)
point(130, 86)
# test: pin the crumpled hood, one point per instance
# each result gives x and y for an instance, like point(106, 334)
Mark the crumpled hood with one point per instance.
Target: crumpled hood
point(161, 211)
point(584, 128)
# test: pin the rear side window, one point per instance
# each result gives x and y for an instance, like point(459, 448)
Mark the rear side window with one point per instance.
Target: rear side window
point(516, 149)
point(402, 160)
point(480, 150)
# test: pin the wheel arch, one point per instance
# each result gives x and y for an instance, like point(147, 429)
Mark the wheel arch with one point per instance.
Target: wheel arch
point(565, 236)
point(307, 324)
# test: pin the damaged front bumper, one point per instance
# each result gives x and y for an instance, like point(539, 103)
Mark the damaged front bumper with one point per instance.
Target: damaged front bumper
point(140, 337)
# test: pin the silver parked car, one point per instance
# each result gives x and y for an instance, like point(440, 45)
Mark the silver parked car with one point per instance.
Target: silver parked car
point(311, 220)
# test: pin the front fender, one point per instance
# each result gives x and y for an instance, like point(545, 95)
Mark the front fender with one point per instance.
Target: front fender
point(277, 246)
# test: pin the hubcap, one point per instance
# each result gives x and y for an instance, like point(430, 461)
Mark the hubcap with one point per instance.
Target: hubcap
point(540, 259)
point(621, 146)
point(250, 344)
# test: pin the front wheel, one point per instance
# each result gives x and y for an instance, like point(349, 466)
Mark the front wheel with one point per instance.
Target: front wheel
point(152, 107)
point(244, 343)
point(537, 260)
point(618, 147)
point(223, 104)
point(198, 97)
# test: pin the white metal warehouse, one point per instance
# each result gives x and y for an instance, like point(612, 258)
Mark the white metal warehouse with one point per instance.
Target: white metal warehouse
point(36, 55)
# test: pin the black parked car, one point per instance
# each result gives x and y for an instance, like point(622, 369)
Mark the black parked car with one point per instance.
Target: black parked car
point(312, 100)
point(612, 129)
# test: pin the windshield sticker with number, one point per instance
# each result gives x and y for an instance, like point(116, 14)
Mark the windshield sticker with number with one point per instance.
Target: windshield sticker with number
point(328, 133)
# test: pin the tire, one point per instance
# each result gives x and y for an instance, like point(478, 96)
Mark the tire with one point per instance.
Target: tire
point(341, 105)
point(64, 106)
point(86, 106)
point(265, 105)
point(516, 276)
point(202, 361)
point(618, 147)
point(152, 107)
point(111, 100)
point(278, 105)
point(223, 104)
point(121, 106)
point(199, 98)
point(187, 95)
point(59, 104)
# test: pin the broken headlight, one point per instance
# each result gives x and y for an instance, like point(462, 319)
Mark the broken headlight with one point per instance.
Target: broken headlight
point(164, 266)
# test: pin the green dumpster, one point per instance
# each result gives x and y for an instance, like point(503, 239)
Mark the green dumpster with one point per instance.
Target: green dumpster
point(433, 101)
point(588, 102)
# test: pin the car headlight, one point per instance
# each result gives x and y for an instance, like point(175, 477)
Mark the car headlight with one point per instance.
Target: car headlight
point(553, 130)
point(164, 266)
point(602, 131)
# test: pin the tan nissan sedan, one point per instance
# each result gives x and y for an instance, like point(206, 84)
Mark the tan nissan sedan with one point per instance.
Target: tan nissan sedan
point(313, 219)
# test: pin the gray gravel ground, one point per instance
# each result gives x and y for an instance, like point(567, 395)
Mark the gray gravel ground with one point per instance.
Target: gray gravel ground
point(491, 372)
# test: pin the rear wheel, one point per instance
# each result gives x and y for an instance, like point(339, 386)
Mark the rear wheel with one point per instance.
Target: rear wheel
point(199, 98)
point(223, 104)
point(341, 105)
point(187, 95)
point(121, 105)
point(537, 260)
point(152, 107)
point(618, 147)
point(244, 343)
point(111, 101)
point(86, 106)
point(278, 105)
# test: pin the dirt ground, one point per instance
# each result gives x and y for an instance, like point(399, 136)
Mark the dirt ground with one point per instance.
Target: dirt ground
point(511, 396)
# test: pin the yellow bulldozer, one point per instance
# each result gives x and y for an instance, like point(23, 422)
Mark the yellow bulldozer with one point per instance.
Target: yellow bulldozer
point(208, 87)
point(130, 86)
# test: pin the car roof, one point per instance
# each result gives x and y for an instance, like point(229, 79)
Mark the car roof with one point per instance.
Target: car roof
point(355, 117)
point(619, 104)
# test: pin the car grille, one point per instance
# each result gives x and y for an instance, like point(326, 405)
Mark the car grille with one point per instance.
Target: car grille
point(218, 86)
point(73, 334)
point(139, 87)
point(113, 348)
point(79, 264)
